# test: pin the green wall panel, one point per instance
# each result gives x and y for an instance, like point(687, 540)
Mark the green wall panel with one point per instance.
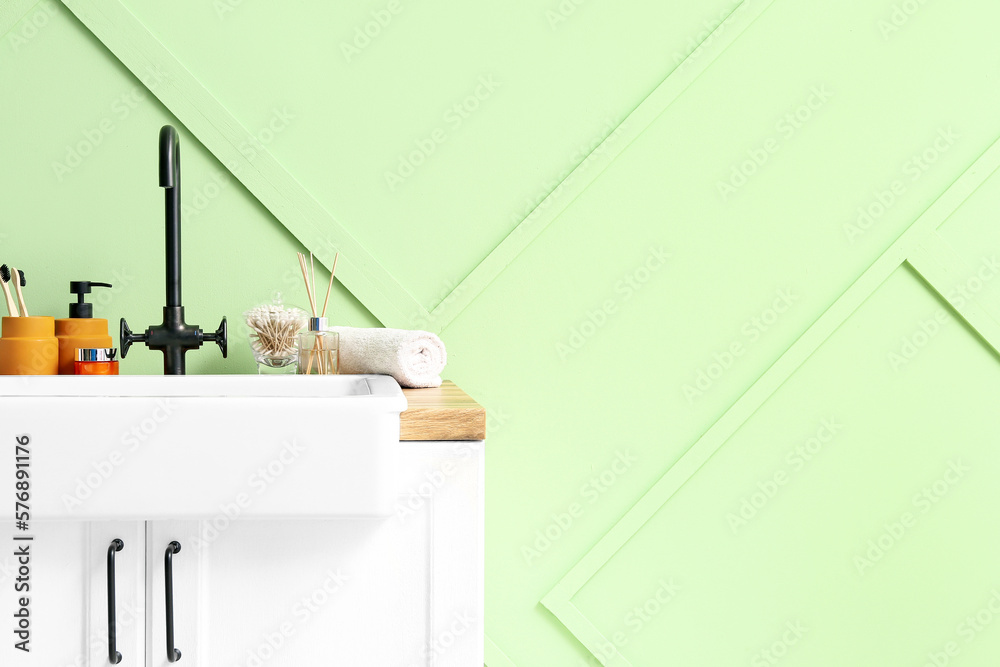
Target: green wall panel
point(553, 89)
point(770, 238)
point(775, 528)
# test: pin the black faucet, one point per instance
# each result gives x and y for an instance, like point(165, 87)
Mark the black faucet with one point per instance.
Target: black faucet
point(173, 336)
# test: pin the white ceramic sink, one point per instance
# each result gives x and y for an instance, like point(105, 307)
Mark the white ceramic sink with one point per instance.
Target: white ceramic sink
point(212, 446)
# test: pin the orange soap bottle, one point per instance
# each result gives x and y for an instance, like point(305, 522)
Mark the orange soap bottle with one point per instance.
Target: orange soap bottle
point(81, 329)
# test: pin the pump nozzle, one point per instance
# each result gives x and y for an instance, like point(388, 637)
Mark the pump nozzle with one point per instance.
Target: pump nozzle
point(82, 309)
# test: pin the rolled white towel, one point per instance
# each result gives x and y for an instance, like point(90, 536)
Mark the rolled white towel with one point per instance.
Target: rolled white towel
point(414, 358)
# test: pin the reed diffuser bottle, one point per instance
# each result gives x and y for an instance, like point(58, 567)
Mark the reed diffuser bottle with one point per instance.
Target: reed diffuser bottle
point(319, 349)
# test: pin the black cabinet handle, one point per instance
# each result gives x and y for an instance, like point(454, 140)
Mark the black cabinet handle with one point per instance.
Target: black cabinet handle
point(114, 657)
point(173, 655)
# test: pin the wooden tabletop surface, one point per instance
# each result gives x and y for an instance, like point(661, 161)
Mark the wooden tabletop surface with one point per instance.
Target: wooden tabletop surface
point(441, 413)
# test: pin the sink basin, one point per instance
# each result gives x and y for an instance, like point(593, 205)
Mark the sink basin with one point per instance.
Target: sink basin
point(219, 447)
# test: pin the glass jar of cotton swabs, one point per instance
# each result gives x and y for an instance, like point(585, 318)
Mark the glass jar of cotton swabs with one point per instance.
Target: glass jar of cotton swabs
point(274, 331)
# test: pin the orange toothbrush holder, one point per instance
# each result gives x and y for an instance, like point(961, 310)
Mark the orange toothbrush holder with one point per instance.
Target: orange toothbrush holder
point(29, 346)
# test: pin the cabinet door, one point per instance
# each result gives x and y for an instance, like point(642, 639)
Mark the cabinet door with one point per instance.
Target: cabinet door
point(63, 577)
point(404, 590)
point(310, 592)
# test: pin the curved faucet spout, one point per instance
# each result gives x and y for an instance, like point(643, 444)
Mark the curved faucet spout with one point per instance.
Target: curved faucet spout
point(170, 157)
point(170, 180)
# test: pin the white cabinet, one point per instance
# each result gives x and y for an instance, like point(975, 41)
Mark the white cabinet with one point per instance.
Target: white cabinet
point(63, 577)
point(402, 591)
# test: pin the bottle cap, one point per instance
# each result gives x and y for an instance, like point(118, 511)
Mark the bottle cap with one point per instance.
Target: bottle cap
point(96, 353)
point(82, 309)
point(317, 324)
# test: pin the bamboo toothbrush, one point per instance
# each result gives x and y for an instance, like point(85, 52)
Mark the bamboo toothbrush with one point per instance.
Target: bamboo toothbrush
point(4, 279)
point(18, 284)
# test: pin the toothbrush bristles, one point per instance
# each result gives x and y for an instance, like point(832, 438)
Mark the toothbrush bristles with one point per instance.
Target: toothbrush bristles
point(20, 273)
point(5, 273)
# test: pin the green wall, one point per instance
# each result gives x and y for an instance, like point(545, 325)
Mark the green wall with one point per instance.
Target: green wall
point(722, 274)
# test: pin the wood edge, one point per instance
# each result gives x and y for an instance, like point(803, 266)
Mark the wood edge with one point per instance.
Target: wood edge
point(441, 413)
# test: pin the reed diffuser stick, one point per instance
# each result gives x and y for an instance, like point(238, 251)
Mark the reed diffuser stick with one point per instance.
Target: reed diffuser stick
point(312, 268)
point(310, 291)
point(323, 360)
point(319, 339)
point(305, 277)
point(333, 271)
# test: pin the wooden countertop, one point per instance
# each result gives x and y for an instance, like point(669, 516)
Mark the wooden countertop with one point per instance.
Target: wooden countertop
point(441, 413)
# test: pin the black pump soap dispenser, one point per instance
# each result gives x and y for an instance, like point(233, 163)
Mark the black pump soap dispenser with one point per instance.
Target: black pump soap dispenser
point(80, 329)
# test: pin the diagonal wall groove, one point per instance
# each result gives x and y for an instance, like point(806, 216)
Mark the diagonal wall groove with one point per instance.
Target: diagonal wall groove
point(910, 243)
